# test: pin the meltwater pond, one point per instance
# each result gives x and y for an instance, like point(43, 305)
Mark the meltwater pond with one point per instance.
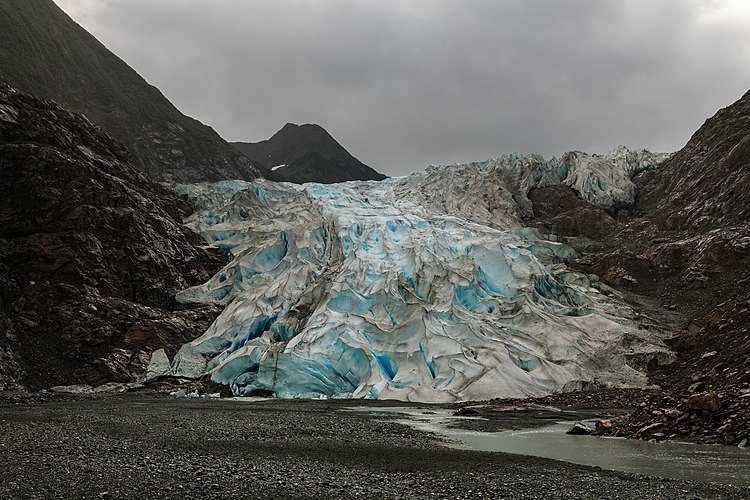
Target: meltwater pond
point(677, 460)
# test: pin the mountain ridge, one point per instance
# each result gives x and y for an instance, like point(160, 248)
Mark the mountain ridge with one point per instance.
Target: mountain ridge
point(307, 153)
point(47, 54)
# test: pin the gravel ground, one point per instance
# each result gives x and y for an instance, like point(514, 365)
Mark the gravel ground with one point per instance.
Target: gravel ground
point(141, 446)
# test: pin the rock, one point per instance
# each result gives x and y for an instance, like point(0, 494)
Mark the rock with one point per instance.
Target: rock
point(724, 428)
point(110, 387)
point(606, 424)
point(117, 387)
point(158, 366)
point(720, 367)
point(709, 355)
point(72, 389)
point(648, 431)
point(618, 276)
point(580, 429)
point(697, 387)
point(602, 427)
point(708, 401)
point(467, 410)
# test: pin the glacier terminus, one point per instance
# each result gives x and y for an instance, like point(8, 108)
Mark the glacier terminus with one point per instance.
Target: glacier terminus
point(419, 288)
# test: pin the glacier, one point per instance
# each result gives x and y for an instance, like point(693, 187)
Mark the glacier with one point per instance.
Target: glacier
point(419, 288)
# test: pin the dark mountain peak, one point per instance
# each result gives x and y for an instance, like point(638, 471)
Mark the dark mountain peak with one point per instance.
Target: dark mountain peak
point(307, 153)
point(308, 137)
point(289, 126)
point(704, 185)
point(46, 54)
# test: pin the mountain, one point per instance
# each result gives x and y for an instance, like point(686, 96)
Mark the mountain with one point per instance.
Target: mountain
point(701, 194)
point(680, 255)
point(705, 182)
point(685, 242)
point(45, 53)
point(92, 252)
point(419, 288)
point(307, 153)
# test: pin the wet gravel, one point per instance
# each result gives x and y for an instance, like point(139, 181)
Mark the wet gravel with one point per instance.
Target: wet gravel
point(142, 446)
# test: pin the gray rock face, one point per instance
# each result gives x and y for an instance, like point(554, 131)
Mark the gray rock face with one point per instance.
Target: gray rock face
point(158, 365)
point(704, 185)
point(91, 253)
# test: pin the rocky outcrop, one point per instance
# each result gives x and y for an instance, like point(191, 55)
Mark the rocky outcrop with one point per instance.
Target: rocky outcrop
point(706, 417)
point(681, 251)
point(91, 253)
point(307, 153)
point(47, 54)
point(704, 185)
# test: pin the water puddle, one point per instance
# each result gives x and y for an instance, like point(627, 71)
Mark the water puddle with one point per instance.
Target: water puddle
point(677, 460)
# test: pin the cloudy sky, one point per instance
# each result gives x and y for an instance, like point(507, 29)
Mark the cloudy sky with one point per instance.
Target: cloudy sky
point(406, 83)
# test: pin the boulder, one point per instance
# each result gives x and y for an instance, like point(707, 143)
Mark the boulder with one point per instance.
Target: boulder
point(708, 401)
point(580, 429)
point(158, 366)
point(649, 431)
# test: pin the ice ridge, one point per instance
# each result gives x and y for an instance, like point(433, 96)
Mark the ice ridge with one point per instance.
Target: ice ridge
point(419, 288)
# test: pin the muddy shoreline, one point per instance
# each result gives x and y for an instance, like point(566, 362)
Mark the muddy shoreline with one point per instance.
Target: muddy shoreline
point(152, 446)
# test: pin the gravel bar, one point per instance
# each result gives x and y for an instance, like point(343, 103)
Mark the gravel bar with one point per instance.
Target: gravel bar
point(148, 446)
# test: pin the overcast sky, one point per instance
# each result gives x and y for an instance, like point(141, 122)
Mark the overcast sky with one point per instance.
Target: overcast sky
point(402, 84)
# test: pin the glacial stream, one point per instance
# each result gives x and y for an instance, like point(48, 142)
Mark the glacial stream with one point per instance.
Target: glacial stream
point(677, 460)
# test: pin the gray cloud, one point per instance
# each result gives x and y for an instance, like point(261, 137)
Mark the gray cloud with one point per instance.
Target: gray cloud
point(405, 83)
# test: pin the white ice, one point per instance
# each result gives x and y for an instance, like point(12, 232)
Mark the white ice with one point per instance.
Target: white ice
point(419, 288)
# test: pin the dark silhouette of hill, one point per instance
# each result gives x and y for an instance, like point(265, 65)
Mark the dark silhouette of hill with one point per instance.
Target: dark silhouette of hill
point(308, 154)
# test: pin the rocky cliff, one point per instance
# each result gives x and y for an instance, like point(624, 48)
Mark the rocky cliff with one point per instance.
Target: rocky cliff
point(91, 253)
point(701, 193)
point(704, 186)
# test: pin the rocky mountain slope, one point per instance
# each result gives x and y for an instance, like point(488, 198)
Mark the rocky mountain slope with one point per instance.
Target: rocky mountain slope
point(307, 153)
point(684, 241)
point(707, 203)
point(45, 53)
point(703, 186)
point(91, 253)
point(681, 253)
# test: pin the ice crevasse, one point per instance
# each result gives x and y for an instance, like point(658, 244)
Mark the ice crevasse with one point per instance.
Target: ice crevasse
point(418, 288)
